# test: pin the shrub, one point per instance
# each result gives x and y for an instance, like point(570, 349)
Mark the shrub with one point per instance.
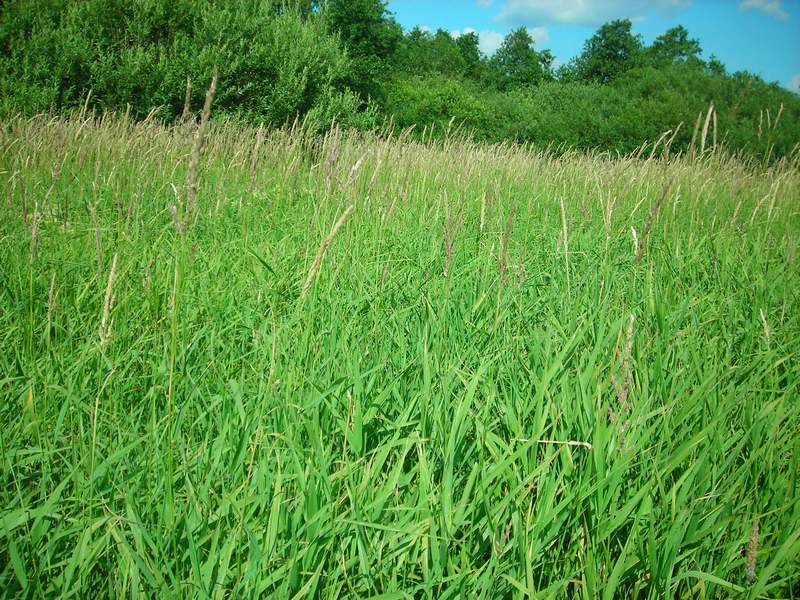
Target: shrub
point(274, 65)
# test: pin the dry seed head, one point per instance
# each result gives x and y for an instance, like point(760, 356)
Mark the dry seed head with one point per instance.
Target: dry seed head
point(106, 323)
point(778, 117)
point(694, 133)
point(374, 180)
point(254, 157)
point(752, 552)
point(501, 258)
point(353, 171)
point(187, 100)
point(98, 240)
point(624, 388)
point(705, 128)
point(323, 247)
point(651, 218)
point(668, 145)
point(332, 146)
point(714, 138)
point(51, 295)
point(619, 419)
point(35, 220)
point(192, 176)
point(765, 324)
point(655, 146)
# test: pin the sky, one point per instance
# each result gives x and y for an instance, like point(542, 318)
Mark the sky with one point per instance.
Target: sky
point(760, 36)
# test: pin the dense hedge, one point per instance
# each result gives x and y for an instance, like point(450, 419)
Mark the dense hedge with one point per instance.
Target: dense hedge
point(640, 106)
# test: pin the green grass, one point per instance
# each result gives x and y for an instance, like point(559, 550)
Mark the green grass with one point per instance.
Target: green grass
point(396, 432)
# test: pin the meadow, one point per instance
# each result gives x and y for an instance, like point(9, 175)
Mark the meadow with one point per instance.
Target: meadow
point(238, 362)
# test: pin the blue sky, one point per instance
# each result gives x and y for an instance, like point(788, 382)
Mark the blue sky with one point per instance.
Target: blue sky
point(760, 36)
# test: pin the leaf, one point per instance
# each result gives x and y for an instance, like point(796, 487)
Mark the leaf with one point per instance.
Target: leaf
point(263, 262)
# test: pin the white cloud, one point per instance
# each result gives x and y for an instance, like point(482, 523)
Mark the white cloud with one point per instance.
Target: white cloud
point(457, 33)
point(540, 35)
point(794, 83)
point(484, 2)
point(425, 28)
point(771, 7)
point(489, 41)
point(585, 12)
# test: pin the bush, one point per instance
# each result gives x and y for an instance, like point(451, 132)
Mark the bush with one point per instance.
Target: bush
point(274, 65)
point(638, 107)
point(427, 100)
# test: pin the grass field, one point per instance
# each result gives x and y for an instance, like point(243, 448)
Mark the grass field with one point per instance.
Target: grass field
point(361, 366)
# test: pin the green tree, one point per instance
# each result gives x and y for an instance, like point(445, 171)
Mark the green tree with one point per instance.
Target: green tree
point(675, 45)
point(446, 55)
point(546, 60)
point(425, 53)
point(371, 37)
point(611, 51)
point(468, 46)
point(715, 66)
point(516, 63)
point(411, 55)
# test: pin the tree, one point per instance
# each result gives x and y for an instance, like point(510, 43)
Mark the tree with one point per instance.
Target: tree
point(611, 51)
point(470, 51)
point(546, 60)
point(715, 67)
point(446, 57)
point(675, 46)
point(516, 63)
point(371, 37)
point(422, 52)
point(303, 7)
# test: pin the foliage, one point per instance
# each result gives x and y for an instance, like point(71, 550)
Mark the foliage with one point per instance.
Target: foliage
point(675, 45)
point(440, 101)
point(637, 108)
point(274, 65)
point(426, 53)
point(370, 37)
point(516, 62)
point(468, 45)
point(611, 51)
point(349, 61)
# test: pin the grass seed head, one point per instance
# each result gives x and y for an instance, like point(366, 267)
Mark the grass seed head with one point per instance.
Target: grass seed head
point(106, 322)
point(752, 551)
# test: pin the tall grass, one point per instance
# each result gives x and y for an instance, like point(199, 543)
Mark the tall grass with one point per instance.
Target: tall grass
point(454, 403)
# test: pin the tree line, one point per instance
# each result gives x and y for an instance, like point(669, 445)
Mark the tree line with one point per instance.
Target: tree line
point(350, 62)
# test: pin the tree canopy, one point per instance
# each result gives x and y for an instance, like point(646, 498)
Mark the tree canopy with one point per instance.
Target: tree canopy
point(350, 61)
point(516, 63)
point(611, 51)
point(675, 45)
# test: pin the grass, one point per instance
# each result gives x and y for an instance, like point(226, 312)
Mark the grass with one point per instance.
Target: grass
point(481, 392)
